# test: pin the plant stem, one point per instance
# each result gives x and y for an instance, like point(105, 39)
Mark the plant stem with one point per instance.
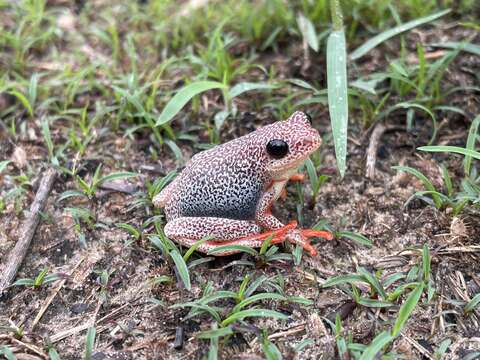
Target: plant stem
point(337, 16)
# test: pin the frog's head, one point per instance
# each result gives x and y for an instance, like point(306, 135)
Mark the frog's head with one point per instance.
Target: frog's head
point(288, 144)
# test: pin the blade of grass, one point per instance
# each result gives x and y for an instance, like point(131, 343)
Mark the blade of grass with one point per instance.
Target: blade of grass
point(378, 39)
point(376, 345)
point(407, 308)
point(253, 313)
point(471, 140)
point(425, 181)
point(464, 46)
point(89, 343)
point(308, 31)
point(451, 149)
point(337, 95)
point(181, 268)
point(248, 86)
point(183, 96)
point(472, 304)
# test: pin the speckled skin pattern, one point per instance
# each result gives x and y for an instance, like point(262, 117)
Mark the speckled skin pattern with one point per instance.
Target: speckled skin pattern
point(227, 192)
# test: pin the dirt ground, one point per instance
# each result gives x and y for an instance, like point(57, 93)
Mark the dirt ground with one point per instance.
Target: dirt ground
point(130, 325)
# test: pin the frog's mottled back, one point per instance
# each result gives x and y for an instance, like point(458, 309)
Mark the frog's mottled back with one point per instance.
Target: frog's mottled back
point(228, 180)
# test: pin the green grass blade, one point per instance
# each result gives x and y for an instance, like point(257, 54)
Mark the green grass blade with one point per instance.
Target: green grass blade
point(337, 94)
point(248, 86)
point(5, 351)
point(308, 31)
point(89, 343)
point(359, 238)
point(255, 298)
point(451, 149)
point(426, 262)
point(117, 176)
point(181, 268)
point(471, 140)
point(3, 165)
point(215, 333)
point(407, 308)
point(343, 279)
point(23, 99)
point(378, 39)
point(253, 313)
point(472, 304)
point(464, 46)
point(194, 247)
point(376, 345)
point(53, 354)
point(425, 181)
point(183, 96)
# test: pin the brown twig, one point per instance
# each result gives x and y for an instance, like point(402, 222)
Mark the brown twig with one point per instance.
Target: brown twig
point(372, 150)
point(16, 256)
point(52, 296)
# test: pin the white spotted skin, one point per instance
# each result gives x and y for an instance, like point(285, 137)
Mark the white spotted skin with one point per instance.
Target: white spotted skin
point(227, 191)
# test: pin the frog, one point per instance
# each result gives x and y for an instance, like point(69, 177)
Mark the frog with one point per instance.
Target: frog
point(224, 195)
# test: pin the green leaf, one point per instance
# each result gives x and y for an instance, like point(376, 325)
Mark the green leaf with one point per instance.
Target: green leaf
point(271, 350)
point(70, 193)
point(472, 304)
point(183, 96)
point(471, 140)
point(373, 303)
point(253, 313)
point(116, 176)
point(89, 343)
point(442, 348)
point(407, 308)
point(426, 260)
point(451, 149)
point(425, 181)
point(3, 165)
point(130, 229)
point(464, 46)
point(215, 333)
point(248, 86)
point(26, 104)
point(337, 95)
point(359, 238)
point(308, 31)
point(195, 246)
point(343, 279)
point(376, 345)
point(373, 281)
point(52, 353)
point(32, 89)
point(181, 268)
point(378, 39)
point(5, 351)
point(24, 282)
point(229, 248)
point(255, 298)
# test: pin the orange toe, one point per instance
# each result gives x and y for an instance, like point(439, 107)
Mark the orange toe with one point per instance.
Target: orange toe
point(317, 233)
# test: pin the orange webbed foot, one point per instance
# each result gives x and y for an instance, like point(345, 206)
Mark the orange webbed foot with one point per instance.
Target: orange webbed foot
point(297, 177)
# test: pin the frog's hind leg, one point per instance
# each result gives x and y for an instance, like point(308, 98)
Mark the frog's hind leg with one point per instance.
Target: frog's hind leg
point(188, 230)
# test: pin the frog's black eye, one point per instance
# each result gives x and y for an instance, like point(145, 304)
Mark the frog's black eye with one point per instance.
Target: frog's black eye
point(308, 117)
point(277, 148)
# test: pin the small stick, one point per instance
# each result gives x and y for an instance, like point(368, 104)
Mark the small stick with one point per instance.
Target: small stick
point(52, 296)
point(29, 226)
point(372, 150)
